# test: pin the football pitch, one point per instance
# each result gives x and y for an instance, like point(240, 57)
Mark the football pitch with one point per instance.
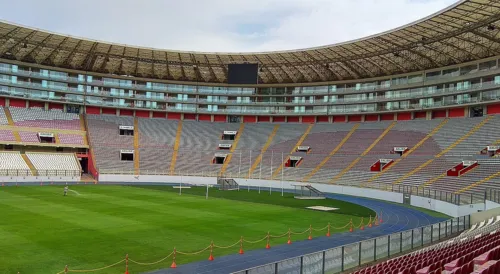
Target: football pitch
point(95, 226)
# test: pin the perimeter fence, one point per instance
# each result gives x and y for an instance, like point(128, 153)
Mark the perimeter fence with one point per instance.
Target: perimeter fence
point(351, 256)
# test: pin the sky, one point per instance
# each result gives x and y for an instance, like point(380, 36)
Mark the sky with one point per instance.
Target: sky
point(219, 25)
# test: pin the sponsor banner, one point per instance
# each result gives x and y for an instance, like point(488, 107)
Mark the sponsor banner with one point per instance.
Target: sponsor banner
point(46, 135)
point(493, 148)
point(295, 158)
point(303, 148)
point(226, 132)
point(225, 145)
point(126, 127)
point(220, 155)
point(400, 149)
point(126, 151)
point(385, 161)
point(468, 163)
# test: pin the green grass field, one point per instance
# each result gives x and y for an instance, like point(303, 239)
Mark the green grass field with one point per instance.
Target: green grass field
point(41, 230)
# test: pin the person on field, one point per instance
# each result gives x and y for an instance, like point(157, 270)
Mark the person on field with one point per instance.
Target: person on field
point(65, 190)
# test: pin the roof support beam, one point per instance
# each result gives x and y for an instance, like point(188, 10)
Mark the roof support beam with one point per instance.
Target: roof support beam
point(347, 67)
point(34, 52)
point(50, 57)
point(137, 62)
point(416, 52)
point(183, 73)
point(27, 37)
point(120, 68)
point(91, 57)
point(67, 62)
point(106, 59)
point(269, 73)
point(210, 69)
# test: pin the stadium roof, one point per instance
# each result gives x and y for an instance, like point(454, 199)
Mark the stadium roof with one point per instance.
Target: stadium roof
point(466, 31)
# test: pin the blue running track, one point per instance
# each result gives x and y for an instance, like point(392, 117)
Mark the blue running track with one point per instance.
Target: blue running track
point(395, 218)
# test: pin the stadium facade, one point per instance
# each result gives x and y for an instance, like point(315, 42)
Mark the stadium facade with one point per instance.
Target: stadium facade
point(445, 65)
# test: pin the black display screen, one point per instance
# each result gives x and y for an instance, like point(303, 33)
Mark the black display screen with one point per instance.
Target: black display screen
point(242, 74)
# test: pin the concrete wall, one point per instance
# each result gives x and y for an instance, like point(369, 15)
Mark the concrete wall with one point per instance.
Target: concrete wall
point(346, 190)
point(492, 210)
point(446, 208)
point(8, 180)
point(491, 205)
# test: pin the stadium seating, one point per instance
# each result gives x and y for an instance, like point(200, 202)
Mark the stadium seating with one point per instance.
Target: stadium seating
point(7, 135)
point(71, 139)
point(54, 119)
point(55, 163)
point(11, 162)
point(29, 137)
point(3, 117)
point(198, 144)
point(475, 250)
point(107, 142)
point(444, 143)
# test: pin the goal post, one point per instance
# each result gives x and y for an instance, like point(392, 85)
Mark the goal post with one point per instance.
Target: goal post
point(307, 192)
point(227, 183)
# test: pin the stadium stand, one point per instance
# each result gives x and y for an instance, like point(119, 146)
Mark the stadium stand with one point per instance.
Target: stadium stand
point(474, 251)
point(71, 139)
point(39, 118)
point(3, 117)
point(107, 142)
point(7, 136)
point(55, 163)
point(434, 146)
point(13, 163)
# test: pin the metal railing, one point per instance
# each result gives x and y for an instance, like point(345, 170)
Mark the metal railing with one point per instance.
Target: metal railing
point(351, 256)
point(39, 172)
point(492, 195)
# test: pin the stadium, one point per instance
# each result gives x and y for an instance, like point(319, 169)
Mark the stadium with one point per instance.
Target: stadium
point(377, 155)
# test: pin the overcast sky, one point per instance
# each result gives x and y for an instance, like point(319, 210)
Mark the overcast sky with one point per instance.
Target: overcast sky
point(219, 25)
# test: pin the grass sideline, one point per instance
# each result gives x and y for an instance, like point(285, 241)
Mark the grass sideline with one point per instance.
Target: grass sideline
point(41, 230)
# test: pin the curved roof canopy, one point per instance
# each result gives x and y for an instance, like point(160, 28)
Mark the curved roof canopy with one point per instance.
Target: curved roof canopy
point(466, 31)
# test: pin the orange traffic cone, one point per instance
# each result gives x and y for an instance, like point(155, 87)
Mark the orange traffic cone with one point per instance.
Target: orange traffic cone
point(289, 237)
point(174, 265)
point(328, 232)
point(267, 244)
point(211, 257)
point(126, 264)
point(241, 246)
point(362, 226)
point(370, 222)
point(310, 233)
point(351, 229)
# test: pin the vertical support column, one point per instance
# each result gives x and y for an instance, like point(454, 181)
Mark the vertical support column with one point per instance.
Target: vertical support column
point(388, 246)
point(359, 255)
point(324, 259)
point(342, 260)
point(422, 236)
point(400, 242)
